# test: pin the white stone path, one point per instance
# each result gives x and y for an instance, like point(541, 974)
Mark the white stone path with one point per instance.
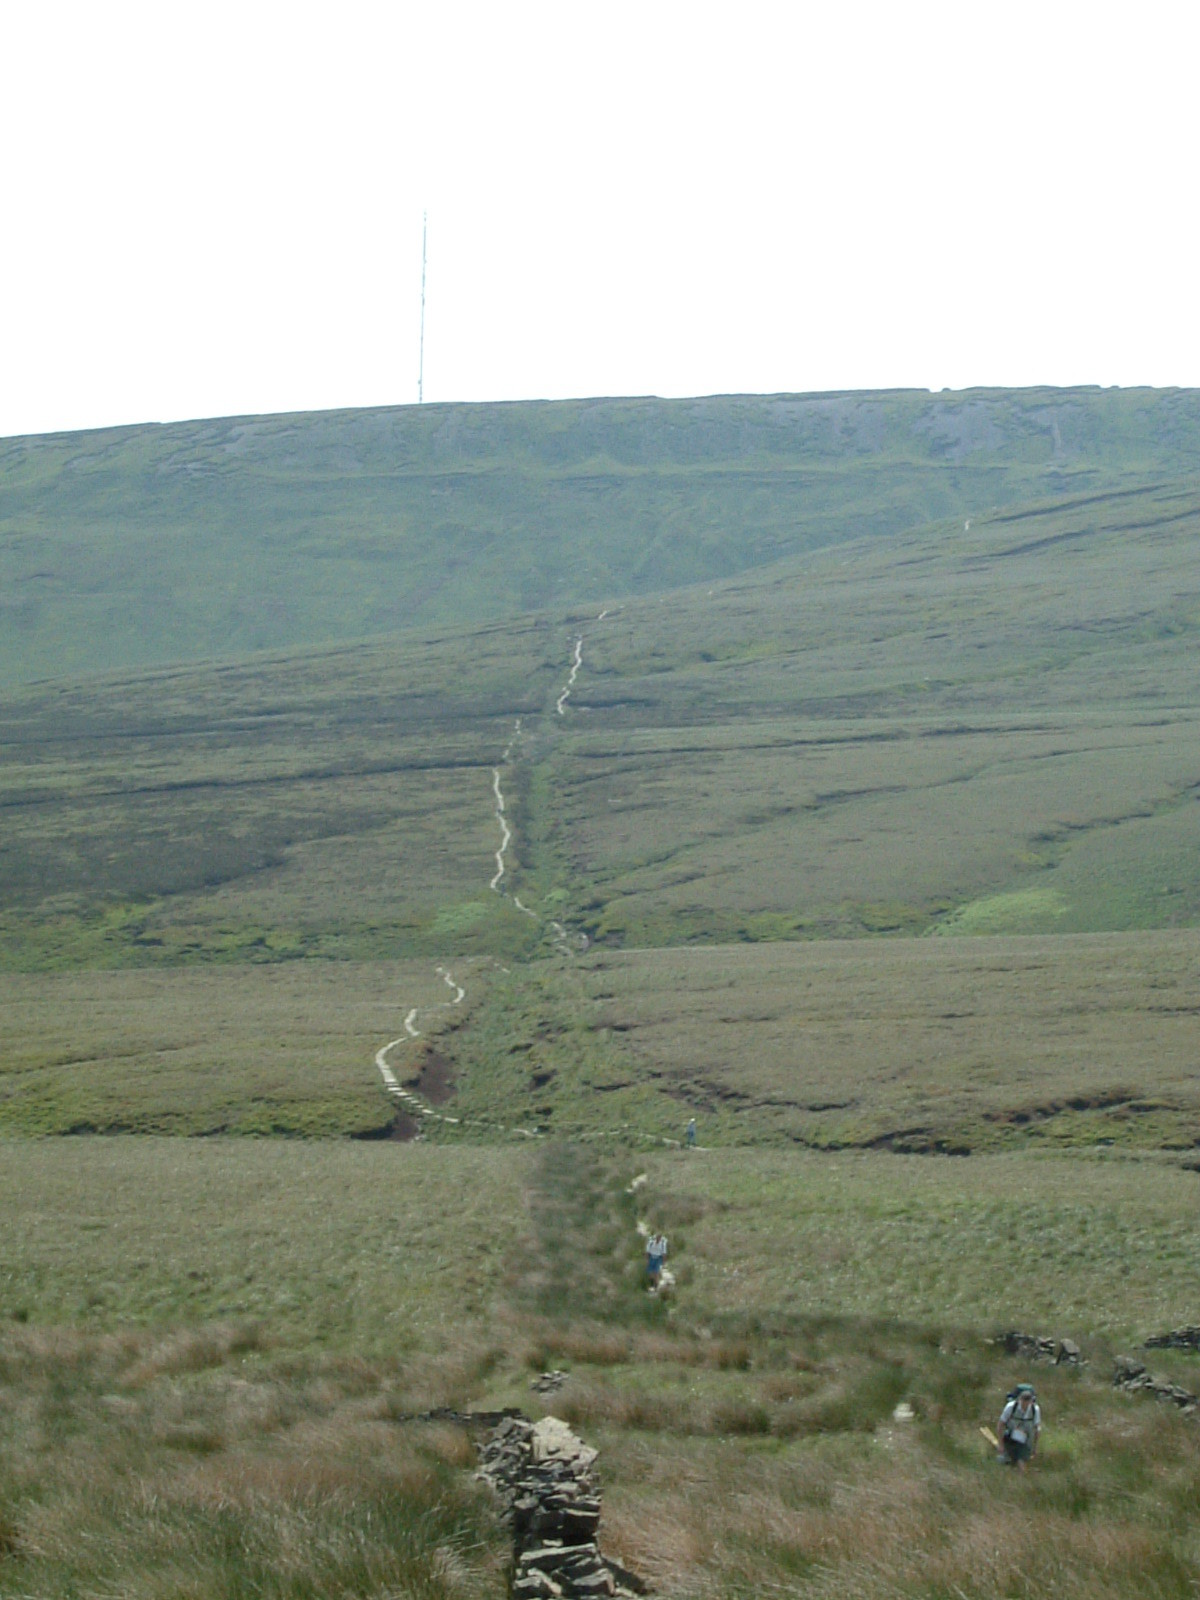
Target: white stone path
point(408, 1098)
point(560, 707)
point(411, 1101)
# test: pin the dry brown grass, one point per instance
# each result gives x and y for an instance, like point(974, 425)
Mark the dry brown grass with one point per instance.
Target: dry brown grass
point(884, 1517)
point(747, 1432)
point(125, 1472)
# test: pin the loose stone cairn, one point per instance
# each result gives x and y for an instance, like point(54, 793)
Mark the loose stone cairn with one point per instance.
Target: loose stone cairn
point(1035, 1347)
point(543, 1476)
point(549, 1382)
point(1132, 1376)
point(1177, 1339)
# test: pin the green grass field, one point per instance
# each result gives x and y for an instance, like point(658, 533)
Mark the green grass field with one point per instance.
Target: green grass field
point(210, 1347)
point(824, 768)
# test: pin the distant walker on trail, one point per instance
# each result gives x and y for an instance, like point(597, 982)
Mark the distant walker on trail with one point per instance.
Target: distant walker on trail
point(689, 1137)
point(656, 1254)
point(1019, 1427)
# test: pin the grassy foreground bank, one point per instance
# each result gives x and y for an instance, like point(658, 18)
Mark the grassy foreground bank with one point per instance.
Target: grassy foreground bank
point(208, 1350)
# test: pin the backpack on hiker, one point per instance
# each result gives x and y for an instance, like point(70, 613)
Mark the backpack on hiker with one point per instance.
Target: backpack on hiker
point(1020, 1424)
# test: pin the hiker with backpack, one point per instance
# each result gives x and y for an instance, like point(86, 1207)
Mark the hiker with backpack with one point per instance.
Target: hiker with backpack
point(656, 1254)
point(1020, 1425)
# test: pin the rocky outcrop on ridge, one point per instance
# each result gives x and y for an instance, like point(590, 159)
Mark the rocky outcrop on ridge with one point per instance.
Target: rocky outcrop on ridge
point(544, 1478)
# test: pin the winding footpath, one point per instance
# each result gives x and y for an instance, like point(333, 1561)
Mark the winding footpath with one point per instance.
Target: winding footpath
point(560, 706)
point(412, 1102)
point(408, 1098)
point(505, 830)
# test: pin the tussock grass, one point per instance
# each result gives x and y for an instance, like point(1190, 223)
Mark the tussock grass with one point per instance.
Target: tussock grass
point(209, 1350)
point(1107, 1245)
point(748, 1437)
point(116, 1477)
point(884, 1513)
point(586, 1258)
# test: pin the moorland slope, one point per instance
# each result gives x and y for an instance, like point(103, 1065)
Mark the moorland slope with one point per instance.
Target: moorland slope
point(824, 768)
point(949, 732)
point(157, 544)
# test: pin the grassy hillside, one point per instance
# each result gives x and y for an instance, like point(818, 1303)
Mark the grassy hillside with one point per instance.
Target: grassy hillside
point(955, 732)
point(153, 545)
point(327, 804)
point(877, 855)
point(212, 1351)
point(970, 731)
point(958, 731)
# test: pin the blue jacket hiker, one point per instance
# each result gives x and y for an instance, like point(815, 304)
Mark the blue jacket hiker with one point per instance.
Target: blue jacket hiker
point(656, 1254)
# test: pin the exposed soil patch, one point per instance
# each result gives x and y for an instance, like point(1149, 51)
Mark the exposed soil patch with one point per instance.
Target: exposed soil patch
point(917, 1142)
point(402, 1128)
point(435, 1079)
point(1124, 1100)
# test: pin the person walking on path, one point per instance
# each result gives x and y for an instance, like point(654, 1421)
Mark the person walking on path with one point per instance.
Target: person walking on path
point(1020, 1425)
point(656, 1254)
point(690, 1137)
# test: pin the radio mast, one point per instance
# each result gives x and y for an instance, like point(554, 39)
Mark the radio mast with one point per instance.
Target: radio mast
point(421, 367)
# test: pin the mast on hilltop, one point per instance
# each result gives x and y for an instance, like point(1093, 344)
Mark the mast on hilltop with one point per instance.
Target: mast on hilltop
point(421, 366)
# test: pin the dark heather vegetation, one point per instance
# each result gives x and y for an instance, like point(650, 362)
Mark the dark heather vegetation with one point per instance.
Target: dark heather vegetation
point(824, 768)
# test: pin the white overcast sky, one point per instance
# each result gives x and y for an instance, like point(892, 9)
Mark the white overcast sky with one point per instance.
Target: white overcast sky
point(216, 209)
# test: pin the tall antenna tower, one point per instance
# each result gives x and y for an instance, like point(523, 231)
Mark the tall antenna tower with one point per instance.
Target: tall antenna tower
point(421, 367)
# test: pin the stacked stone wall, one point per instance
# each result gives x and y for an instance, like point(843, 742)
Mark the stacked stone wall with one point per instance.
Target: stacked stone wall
point(545, 1479)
